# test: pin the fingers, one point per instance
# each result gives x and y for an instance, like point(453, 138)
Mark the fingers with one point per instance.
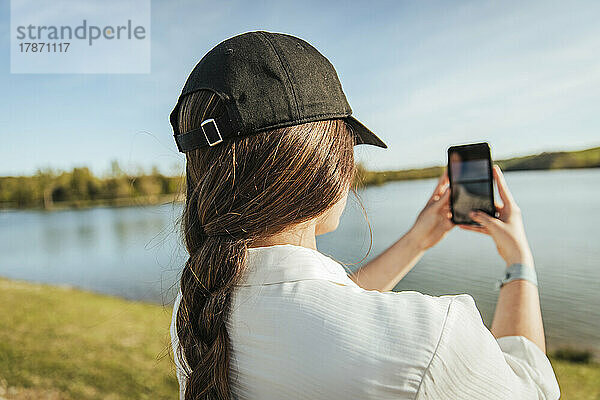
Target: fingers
point(505, 194)
point(440, 188)
point(443, 200)
point(475, 228)
point(443, 177)
point(499, 211)
point(490, 223)
point(442, 181)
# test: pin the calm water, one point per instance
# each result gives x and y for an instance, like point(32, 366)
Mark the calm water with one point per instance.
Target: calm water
point(135, 252)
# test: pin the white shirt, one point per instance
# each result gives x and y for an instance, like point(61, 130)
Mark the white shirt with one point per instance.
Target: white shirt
point(300, 328)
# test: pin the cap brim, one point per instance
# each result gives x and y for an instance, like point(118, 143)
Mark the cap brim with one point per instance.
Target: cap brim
point(363, 134)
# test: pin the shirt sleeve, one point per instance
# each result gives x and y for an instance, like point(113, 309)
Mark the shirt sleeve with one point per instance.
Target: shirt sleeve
point(469, 363)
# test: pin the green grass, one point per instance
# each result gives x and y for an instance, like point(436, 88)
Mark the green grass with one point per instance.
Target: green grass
point(62, 343)
point(577, 381)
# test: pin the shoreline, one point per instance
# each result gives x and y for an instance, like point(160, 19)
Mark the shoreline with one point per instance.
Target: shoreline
point(140, 201)
point(368, 179)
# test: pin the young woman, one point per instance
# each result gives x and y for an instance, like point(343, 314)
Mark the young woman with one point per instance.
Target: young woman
point(262, 314)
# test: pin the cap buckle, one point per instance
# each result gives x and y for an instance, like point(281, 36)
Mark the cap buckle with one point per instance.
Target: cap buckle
point(213, 132)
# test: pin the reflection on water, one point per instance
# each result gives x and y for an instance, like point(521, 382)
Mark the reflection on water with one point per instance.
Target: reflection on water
point(135, 252)
point(129, 252)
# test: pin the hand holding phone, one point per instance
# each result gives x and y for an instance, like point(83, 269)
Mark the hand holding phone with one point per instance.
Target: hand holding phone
point(433, 222)
point(507, 230)
point(471, 182)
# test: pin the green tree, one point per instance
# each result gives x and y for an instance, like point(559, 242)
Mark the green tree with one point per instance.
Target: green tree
point(115, 169)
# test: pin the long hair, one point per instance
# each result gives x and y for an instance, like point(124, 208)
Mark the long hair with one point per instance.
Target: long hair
point(241, 190)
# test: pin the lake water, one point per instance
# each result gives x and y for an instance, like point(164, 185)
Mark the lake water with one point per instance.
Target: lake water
point(135, 252)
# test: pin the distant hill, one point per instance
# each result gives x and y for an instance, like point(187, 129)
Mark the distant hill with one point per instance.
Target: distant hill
point(589, 158)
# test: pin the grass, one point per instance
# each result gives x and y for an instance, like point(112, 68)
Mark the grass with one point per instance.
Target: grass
point(63, 343)
point(577, 381)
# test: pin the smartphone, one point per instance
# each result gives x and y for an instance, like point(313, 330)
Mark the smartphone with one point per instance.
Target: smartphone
point(471, 181)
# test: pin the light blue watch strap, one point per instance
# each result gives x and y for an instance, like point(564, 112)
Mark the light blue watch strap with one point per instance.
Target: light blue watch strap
point(518, 271)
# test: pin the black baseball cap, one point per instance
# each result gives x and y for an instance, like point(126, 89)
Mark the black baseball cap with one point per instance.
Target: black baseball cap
point(266, 80)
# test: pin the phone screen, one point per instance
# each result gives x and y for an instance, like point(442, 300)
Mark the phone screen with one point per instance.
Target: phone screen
point(470, 173)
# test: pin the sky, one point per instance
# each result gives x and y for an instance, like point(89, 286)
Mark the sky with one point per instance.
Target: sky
point(423, 75)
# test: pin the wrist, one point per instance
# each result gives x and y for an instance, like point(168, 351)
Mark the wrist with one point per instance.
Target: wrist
point(522, 257)
point(414, 241)
point(518, 272)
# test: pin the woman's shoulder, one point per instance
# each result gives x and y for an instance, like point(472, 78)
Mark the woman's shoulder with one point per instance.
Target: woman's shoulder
point(394, 320)
point(410, 313)
point(384, 337)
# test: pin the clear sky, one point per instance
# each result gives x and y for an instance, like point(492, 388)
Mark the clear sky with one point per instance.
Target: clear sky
point(423, 75)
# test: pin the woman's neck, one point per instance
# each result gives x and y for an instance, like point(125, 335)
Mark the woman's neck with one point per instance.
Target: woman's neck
point(301, 236)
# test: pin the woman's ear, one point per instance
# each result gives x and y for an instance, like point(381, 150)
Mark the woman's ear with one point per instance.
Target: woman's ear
point(329, 221)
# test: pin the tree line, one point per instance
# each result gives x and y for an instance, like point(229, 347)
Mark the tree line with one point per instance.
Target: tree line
point(49, 189)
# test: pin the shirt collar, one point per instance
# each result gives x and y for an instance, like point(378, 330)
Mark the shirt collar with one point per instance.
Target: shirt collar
point(288, 263)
